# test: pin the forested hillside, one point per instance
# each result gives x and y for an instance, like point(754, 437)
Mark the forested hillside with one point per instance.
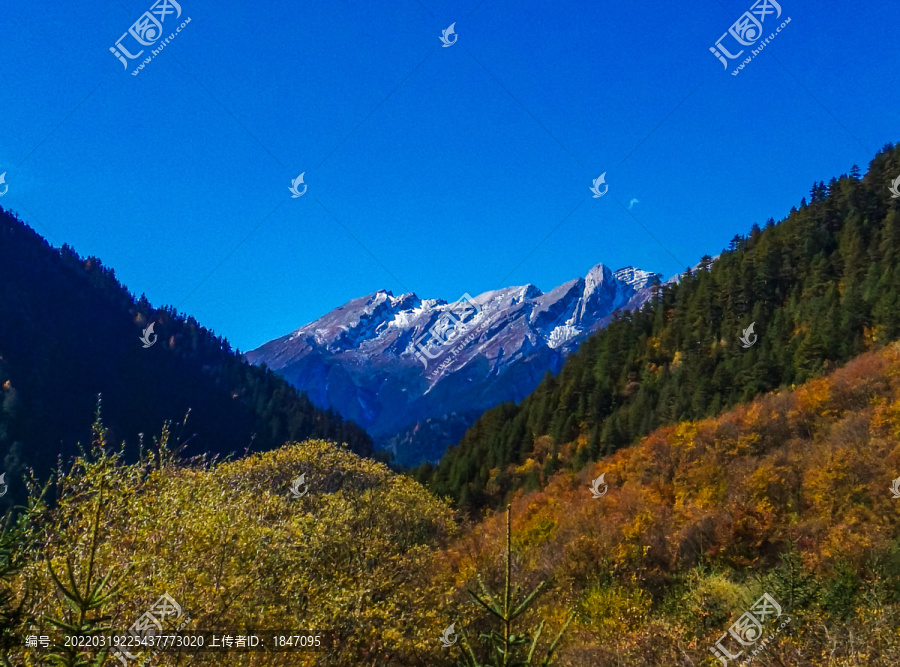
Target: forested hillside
point(820, 287)
point(788, 495)
point(70, 331)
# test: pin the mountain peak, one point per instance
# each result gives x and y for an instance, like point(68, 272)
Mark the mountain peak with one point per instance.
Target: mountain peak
point(392, 363)
point(598, 274)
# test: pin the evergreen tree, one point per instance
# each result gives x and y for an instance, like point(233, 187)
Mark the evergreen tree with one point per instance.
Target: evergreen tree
point(508, 648)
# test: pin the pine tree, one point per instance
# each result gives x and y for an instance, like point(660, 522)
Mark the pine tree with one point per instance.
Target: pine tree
point(506, 648)
point(86, 599)
point(790, 583)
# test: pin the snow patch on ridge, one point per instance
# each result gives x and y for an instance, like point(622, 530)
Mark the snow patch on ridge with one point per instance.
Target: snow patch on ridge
point(562, 335)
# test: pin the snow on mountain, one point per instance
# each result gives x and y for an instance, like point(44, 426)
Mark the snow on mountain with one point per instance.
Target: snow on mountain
point(416, 373)
point(637, 278)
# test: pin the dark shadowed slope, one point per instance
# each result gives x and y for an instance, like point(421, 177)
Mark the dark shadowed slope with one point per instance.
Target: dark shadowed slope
point(69, 331)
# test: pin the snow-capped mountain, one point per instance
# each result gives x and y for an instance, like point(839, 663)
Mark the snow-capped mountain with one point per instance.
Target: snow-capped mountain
point(416, 373)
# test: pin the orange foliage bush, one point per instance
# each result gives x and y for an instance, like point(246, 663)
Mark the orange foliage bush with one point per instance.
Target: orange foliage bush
point(700, 515)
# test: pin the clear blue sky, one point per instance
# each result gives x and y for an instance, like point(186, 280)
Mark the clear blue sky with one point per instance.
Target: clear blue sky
point(448, 165)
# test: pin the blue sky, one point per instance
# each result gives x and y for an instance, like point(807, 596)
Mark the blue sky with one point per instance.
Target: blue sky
point(429, 169)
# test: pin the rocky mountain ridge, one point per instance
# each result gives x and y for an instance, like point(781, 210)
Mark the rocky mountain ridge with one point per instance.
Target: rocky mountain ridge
point(417, 372)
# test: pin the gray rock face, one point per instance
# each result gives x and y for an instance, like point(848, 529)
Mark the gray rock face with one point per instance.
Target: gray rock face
point(416, 373)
